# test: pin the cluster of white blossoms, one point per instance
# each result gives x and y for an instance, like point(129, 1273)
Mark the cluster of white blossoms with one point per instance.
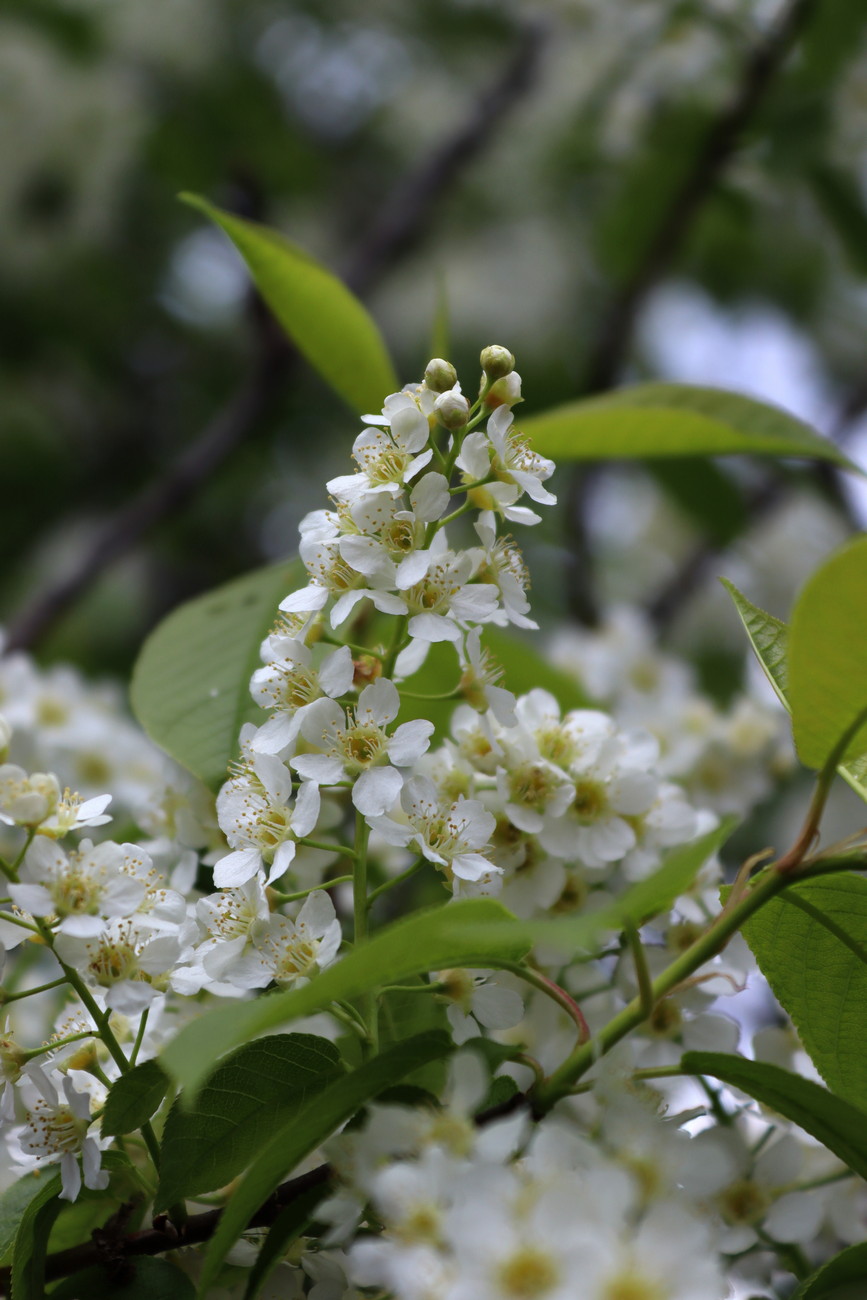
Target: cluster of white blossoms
point(635, 1188)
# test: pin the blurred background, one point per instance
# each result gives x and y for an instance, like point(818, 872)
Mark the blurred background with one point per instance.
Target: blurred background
point(614, 189)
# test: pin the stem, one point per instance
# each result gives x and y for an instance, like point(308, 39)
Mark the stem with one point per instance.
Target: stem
point(11, 868)
point(329, 848)
point(302, 893)
point(397, 643)
point(643, 976)
point(29, 993)
point(59, 1042)
point(810, 830)
point(705, 947)
point(552, 991)
point(369, 1004)
point(395, 881)
point(142, 1026)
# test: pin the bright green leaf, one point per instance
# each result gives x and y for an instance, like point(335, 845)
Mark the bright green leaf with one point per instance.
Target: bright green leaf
point(321, 316)
point(457, 935)
point(839, 1126)
point(651, 420)
point(843, 1278)
point(811, 945)
point(191, 684)
point(292, 1141)
point(142, 1279)
point(658, 892)
point(133, 1098)
point(769, 638)
point(828, 656)
point(706, 494)
point(235, 1114)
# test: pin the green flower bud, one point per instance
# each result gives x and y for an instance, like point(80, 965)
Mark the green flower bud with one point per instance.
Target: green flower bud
point(452, 409)
point(440, 376)
point(497, 361)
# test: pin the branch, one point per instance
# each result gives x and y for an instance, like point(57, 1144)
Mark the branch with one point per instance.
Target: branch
point(402, 221)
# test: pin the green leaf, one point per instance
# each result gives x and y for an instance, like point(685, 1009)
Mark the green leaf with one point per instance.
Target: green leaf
point(31, 1241)
point(286, 1228)
point(257, 1088)
point(321, 316)
point(840, 1127)
point(657, 893)
point(292, 1141)
point(133, 1098)
point(828, 656)
point(708, 496)
point(842, 1278)
point(811, 945)
point(191, 683)
point(141, 1279)
point(651, 420)
point(769, 638)
point(456, 935)
point(13, 1203)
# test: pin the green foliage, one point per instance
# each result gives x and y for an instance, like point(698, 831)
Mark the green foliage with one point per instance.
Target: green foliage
point(286, 1228)
point(843, 1278)
point(324, 320)
point(31, 1240)
point(811, 945)
point(133, 1098)
point(261, 1085)
point(647, 898)
point(140, 1279)
point(13, 1204)
point(839, 1126)
point(292, 1141)
point(457, 935)
point(672, 420)
point(828, 657)
point(191, 684)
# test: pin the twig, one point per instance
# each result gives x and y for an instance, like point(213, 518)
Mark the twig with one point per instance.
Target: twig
point(402, 220)
point(612, 345)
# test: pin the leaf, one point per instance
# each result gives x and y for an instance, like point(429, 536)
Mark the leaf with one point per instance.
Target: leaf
point(828, 656)
point(769, 638)
point(191, 683)
point(708, 496)
point(133, 1098)
point(839, 1126)
point(650, 420)
point(811, 944)
point(141, 1279)
point(31, 1241)
point(13, 1203)
point(657, 893)
point(292, 1141)
point(321, 316)
point(286, 1228)
point(842, 1278)
point(455, 935)
point(258, 1087)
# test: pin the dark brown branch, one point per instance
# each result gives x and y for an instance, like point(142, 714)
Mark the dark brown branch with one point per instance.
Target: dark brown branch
point(612, 345)
point(403, 219)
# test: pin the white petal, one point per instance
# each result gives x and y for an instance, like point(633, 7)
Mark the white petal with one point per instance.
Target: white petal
point(433, 627)
point(306, 812)
point(305, 600)
point(336, 673)
point(236, 868)
point(430, 496)
point(410, 741)
point(376, 791)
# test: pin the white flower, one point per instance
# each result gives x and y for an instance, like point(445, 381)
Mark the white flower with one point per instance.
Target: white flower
point(72, 813)
point(127, 963)
point(475, 998)
point(389, 456)
point(286, 951)
point(82, 889)
point(57, 1127)
point(355, 746)
point(502, 564)
point(479, 682)
point(445, 601)
point(388, 548)
point(449, 836)
point(288, 685)
point(259, 820)
point(26, 800)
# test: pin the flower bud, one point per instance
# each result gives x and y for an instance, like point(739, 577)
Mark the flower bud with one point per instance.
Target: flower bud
point(497, 361)
point(505, 392)
point(365, 669)
point(440, 375)
point(452, 409)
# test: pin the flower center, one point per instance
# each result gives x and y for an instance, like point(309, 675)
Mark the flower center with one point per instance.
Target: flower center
point(527, 1274)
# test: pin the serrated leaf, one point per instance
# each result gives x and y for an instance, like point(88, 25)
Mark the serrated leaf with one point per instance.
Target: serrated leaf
point(321, 316)
point(843, 1278)
point(811, 945)
point(456, 935)
point(769, 638)
point(13, 1203)
point(134, 1098)
point(191, 683)
point(650, 420)
point(291, 1142)
point(141, 1279)
point(828, 657)
point(256, 1089)
point(839, 1126)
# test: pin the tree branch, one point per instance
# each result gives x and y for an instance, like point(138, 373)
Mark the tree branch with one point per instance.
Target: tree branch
point(403, 219)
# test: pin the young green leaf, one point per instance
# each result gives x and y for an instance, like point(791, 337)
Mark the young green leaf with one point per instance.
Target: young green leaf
point(839, 1126)
point(811, 945)
point(321, 316)
point(259, 1086)
point(769, 638)
point(458, 935)
point(843, 1278)
point(292, 1141)
point(13, 1203)
point(650, 420)
point(133, 1098)
point(828, 657)
point(142, 1279)
point(191, 683)
point(286, 1228)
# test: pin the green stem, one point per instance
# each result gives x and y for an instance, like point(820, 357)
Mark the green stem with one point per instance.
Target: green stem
point(139, 1038)
point(552, 991)
point(30, 993)
point(11, 868)
point(328, 848)
point(59, 1042)
point(397, 644)
point(302, 893)
point(369, 1004)
point(410, 988)
point(394, 881)
point(643, 977)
